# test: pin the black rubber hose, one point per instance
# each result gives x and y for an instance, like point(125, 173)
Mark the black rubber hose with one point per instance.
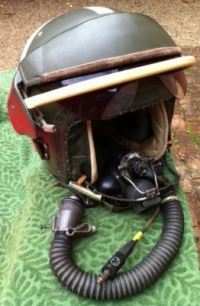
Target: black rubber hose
point(127, 283)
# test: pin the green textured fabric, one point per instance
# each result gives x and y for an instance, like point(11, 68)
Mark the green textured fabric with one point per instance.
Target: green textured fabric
point(29, 200)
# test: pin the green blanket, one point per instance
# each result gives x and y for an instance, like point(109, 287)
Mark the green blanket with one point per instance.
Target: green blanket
point(28, 202)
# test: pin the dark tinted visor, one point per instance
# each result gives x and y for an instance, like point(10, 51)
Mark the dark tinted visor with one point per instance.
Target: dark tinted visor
point(103, 104)
point(109, 103)
point(112, 102)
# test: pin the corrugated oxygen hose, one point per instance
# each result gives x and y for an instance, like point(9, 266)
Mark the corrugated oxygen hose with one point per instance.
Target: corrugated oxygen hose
point(127, 283)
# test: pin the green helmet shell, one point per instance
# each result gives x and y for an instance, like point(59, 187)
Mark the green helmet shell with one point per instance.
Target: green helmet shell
point(79, 44)
point(88, 35)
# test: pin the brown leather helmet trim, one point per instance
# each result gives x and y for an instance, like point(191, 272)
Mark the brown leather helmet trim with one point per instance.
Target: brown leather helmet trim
point(110, 63)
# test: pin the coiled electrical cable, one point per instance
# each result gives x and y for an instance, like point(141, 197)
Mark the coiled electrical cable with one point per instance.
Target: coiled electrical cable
point(127, 283)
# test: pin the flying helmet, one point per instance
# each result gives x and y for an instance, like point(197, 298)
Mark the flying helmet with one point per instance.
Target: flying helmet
point(92, 85)
point(93, 78)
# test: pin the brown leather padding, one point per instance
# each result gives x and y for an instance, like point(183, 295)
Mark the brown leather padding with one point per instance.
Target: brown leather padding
point(156, 145)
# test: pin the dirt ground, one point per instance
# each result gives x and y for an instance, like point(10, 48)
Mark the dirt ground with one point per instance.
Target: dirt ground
point(20, 18)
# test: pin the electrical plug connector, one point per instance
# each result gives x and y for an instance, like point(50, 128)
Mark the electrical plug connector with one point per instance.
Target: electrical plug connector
point(116, 262)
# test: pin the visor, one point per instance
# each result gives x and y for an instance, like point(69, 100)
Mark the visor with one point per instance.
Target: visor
point(111, 102)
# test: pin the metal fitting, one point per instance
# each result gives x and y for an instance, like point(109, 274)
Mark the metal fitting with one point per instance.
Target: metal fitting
point(69, 214)
point(169, 199)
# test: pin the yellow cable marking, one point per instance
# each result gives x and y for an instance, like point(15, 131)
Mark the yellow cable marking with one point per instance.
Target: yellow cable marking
point(138, 236)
